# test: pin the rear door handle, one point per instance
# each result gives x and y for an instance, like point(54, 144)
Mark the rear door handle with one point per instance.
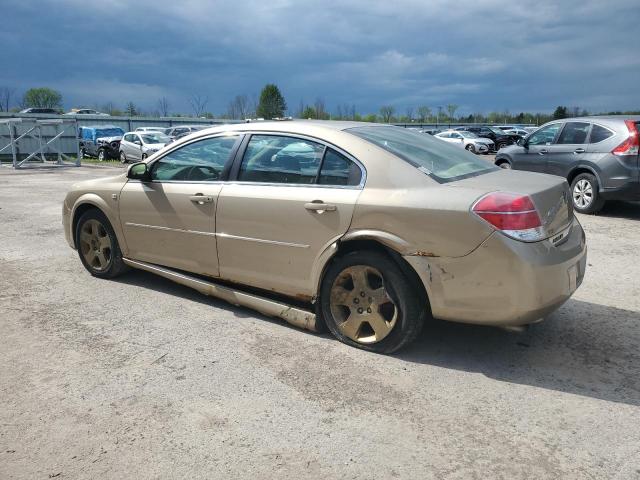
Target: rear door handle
point(579, 150)
point(319, 206)
point(201, 199)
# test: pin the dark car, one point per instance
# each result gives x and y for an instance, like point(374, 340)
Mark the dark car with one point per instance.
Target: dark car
point(102, 142)
point(40, 110)
point(179, 131)
point(597, 155)
point(500, 138)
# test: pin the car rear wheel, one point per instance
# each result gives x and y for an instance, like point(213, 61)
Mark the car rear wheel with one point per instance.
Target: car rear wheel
point(102, 155)
point(368, 302)
point(123, 157)
point(585, 194)
point(504, 164)
point(470, 148)
point(98, 246)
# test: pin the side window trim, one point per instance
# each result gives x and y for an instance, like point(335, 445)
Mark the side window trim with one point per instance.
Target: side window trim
point(225, 171)
point(239, 155)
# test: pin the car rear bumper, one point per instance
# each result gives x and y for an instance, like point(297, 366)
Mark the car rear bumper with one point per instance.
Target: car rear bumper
point(504, 282)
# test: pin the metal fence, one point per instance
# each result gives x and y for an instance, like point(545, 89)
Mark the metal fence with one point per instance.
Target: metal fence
point(66, 142)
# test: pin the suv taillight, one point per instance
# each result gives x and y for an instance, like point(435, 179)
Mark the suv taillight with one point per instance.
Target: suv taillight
point(513, 214)
point(631, 144)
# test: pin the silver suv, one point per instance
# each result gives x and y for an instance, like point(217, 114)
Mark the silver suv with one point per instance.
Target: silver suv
point(597, 155)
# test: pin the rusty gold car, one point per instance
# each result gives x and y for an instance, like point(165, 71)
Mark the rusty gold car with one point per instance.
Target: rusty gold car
point(367, 230)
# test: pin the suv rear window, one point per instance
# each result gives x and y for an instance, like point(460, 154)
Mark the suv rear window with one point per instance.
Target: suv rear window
point(440, 160)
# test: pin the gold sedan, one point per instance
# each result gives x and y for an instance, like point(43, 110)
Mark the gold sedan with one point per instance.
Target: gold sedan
point(368, 230)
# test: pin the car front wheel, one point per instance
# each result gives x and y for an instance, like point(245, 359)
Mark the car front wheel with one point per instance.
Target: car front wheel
point(585, 194)
point(470, 148)
point(102, 156)
point(368, 302)
point(98, 246)
point(123, 157)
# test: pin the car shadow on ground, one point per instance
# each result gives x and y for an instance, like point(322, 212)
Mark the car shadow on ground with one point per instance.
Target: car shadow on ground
point(619, 209)
point(584, 349)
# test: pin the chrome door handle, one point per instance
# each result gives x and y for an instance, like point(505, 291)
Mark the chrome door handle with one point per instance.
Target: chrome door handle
point(579, 150)
point(319, 206)
point(201, 199)
point(543, 151)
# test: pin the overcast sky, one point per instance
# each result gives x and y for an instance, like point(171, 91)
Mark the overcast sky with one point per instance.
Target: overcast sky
point(482, 55)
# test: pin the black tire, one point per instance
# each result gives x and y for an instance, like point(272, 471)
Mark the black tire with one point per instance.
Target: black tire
point(114, 266)
point(123, 157)
point(409, 303)
point(144, 157)
point(470, 148)
point(504, 164)
point(501, 145)
point(585, 194)
point(102, 155)
point(83, 154)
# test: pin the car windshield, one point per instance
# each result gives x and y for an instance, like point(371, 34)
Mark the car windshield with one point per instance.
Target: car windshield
point(442, 161)
point(496, 130)
point(155, 138)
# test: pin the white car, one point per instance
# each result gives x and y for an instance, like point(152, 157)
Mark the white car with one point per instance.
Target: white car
point(137, 146)
point(151, 129)
point(467, 140)
point(518, 131)
point(86, 111)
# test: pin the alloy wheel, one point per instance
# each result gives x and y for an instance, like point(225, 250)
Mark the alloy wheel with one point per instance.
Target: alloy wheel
point(361, 305)
point(583, 193)
point(95, 245)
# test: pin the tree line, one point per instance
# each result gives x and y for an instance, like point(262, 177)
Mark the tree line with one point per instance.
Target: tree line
point(272, 104)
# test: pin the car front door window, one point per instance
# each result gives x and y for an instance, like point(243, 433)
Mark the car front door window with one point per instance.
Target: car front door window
point(544, 136)
point(203, 160)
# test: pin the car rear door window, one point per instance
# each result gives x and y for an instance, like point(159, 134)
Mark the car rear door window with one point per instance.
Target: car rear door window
point(280, 159)
point(574, 133)
point(203, 160)
point(339, 170)
point(598, 134)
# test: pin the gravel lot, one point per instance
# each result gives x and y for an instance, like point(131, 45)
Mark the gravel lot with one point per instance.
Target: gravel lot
point(143, 378)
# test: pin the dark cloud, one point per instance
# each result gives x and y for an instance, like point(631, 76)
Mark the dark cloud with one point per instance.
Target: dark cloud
point(482, 55)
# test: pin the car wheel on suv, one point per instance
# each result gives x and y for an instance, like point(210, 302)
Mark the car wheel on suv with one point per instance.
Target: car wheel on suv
point(102, 155)
point(585, 195)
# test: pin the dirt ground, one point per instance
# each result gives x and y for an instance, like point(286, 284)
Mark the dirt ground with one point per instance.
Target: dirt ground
point(143, 378)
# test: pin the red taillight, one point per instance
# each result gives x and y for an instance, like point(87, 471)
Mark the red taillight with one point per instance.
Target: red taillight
point(513, 214)
point(631, 145)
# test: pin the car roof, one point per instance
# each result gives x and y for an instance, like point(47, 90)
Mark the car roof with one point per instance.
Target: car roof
point(292, 126)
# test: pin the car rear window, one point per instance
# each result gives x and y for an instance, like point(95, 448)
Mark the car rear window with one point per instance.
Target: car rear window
point(440, 160)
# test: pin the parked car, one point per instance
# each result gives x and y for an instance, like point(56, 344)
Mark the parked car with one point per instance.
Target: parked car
point(520, 132)
point(102, 141)
point(374, 227)
point(468, 140)
point(151, 129)
point(40, 110)
point(505, 127)
point(500, 139)
point(136, 146)
point(86, 111)
point(597, 155)
point(178, 131)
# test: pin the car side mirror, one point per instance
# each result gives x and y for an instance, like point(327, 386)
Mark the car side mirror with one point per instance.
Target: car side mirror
point(137, 142)
point(139, 171)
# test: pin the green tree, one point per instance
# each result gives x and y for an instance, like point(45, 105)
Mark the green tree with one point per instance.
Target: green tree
point(451, 108)
point(560, 112)
point(42, 98)
point(424, 113)
point(272, 103)
point(308, 112)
